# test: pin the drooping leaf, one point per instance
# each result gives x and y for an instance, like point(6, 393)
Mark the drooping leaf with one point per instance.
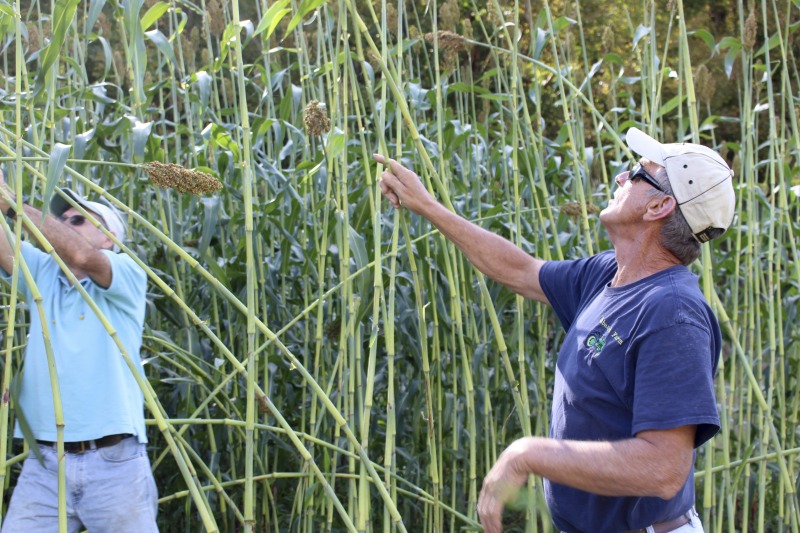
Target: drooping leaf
point(136, 48)
point(95, 8)
point(272, 18)
point(670, 106)
point(305, 8)
point(641, 31)
point(141, 132)
point(706, 37)
point(563, 22)
point(203, 80)
point(63, 13)
point(163, 46)
point(153, 14)
point(210, 219)
point(55, 169)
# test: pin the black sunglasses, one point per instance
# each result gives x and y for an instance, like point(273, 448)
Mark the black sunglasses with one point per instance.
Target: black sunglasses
point(639, 173)
point(74, 220)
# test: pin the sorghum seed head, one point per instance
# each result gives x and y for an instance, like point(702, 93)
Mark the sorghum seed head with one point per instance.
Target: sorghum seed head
point(172, 176)
point(316, 118)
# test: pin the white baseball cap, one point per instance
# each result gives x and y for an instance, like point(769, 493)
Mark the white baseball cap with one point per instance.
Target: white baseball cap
point(701, 181)
point(113, 219)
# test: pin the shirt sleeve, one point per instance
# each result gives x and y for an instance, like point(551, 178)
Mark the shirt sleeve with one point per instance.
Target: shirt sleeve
point(568, 285)
point(674, 384)
point(36, 261)
point(128, 285)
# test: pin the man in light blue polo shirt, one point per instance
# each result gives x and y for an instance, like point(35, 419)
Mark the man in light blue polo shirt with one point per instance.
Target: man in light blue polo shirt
point(110, 485)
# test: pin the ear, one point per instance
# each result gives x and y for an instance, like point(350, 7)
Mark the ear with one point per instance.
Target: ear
point(661, 207)
point(107, 243)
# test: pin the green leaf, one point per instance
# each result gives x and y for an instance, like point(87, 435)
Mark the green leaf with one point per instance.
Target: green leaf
point(706, 37)
point(641, 31)
point(141, 132)
point(210, 219)
point(272, 17)
point(163, 45)
point(729, 42)
point(95, 8)
point(8, 11)
point(153, 14)
point(64, 12)
point(563, 22)
point(305, 8)
point(135, 45)
point(495, 97)
point(203, 80)
point(55, 169)
point(730, 58)
point(223, 139)
point(541, 40)
point(462, 87)
point(670, 106)
point(358, 248)
point(107, 55)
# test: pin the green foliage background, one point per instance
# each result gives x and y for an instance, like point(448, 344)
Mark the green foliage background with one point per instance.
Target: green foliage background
point(319, 361)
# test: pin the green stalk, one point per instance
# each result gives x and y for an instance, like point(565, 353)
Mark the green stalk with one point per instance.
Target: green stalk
point(247, 191)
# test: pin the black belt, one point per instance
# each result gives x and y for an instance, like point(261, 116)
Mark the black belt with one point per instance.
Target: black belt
point(86, 445)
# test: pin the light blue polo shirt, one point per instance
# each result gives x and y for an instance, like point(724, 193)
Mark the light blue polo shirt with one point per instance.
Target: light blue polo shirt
point(99, 394)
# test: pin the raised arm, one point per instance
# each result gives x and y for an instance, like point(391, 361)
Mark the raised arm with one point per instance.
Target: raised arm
point(81, 255)
point(493, 255)
point(6, 248)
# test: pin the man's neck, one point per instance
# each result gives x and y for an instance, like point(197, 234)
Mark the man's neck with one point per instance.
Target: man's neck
point(640, 257)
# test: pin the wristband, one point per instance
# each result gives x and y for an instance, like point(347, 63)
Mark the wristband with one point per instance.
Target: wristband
point(10, 212)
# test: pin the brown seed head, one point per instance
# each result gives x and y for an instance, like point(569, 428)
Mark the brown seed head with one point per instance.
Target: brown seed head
point(104, 24)
point(34, 41)
point(750, 31)
point(122, 68)
point(494, 15)
point(215, 17)
point(466, 28)
point(316, 118)
point(608, 39)
point(449, 41)
point(391, 18)
point(573, 209)
point(449, 15)
point(172, 176)
point(188, 52)
point(705, 83)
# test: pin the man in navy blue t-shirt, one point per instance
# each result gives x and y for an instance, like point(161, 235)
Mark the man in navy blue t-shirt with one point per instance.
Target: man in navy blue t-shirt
point(634, 391)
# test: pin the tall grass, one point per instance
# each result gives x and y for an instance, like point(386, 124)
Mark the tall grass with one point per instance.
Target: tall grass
point(316, 360)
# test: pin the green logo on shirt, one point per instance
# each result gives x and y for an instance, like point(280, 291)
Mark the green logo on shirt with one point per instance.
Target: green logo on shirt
point(596, 342)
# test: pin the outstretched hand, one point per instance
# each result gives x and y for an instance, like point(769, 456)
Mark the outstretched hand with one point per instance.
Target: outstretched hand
point(7, 192)
point(402, 187)
point(501, 486)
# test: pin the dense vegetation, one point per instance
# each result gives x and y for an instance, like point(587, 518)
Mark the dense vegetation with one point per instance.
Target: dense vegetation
point(318, 360)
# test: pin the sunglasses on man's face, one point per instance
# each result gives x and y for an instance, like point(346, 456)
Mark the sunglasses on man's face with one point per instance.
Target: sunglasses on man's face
point(78, 220)
point(74, 220)
point(639, 173)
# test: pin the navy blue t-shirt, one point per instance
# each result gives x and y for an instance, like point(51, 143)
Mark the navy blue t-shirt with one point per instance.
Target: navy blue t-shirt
point(635, 358)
